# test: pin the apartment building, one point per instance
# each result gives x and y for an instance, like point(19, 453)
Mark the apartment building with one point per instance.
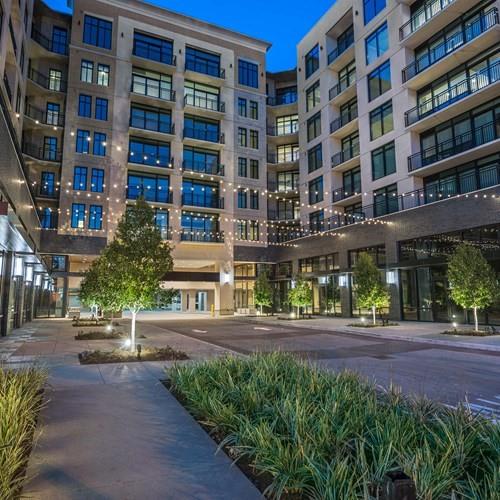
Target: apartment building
point(384, 138)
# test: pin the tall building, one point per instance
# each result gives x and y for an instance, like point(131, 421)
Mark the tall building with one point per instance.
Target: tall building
point(384, 138)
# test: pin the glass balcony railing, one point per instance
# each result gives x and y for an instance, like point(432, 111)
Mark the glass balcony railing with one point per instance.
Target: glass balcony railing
point(202, 236)
point(345, 155)
point(203, 135)
point(196, 200)
point(343, 120)
point(204, 102)
point(205, 67)
point(286, 157)
point(343, 84)
point(153, 52)
point(151, 159)
point(282, 100)
point(203, 167)
point(157, 195)
point(283, 129)
point(341, 48)
point(345, 192)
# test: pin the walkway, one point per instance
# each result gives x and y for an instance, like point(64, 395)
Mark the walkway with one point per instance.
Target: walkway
point(114, 431)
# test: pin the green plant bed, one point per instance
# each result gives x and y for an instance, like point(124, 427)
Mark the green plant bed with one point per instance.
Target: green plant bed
point(97, 335)
point(87, 323)
point(471, 333)
point(310, 433)
point(371, 325)
point(294, 318)
point(21, 399)
point(125, 356)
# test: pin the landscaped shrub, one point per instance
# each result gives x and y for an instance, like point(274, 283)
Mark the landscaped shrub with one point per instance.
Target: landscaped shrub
point(324, 435)
point(20, 404)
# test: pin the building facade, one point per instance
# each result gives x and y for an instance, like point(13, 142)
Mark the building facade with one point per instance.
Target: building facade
point(384, 138)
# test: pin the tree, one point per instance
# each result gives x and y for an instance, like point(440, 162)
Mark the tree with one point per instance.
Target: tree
point(90, 290)
point(137, 261)
point(472, 279)
point(300, 295)
point(371, 291)
point(263, 292)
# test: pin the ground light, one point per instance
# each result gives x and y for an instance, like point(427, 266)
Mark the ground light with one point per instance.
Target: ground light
point(109, 327)
point(127, 343)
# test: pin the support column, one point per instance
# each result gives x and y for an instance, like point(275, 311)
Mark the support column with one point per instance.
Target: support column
point(7, 282)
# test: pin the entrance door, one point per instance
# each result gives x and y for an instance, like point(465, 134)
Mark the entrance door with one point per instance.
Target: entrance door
point(201, 301)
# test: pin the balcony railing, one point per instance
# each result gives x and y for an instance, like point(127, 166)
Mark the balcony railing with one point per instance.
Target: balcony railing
point(277, 159)
point(343, 120)
point(150, 87)
point(152, 125)
point(465, 88)
point(202, 236)
point(43, 153)
point(195, 200)
point(12, 36)
point(341, 48)
point(47, 192)
point(151, 160)
point(46, 82)
point(460, 143)
point(345, 155)
point(289, 216)
point(476, 28)
point(153, 52)
point(343, 84)
point(276, 187)
point(203, 167)
point(7, 87)
point(206, 68)
point(282, 101)
point(285, 129)
point(343, 192)
point(53, 118)
point(204, 135)
point(56, 47)
point(205, 102)
point(166, 233)
point(149, 194)
point(428, 10)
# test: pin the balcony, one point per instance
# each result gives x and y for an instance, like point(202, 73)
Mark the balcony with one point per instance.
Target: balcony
point(342, 54)
point(346, 193)
point(481, 83)
point(203, 167)
point(202, 236)
point(43, 153)
point(344, 124)
point(283, 130)
point(282, 101)
point(205, 68)
point(203, 135)
point(149, 194)
point(288, 217)
point(205, 102)
point(151, 160)
point(432, 16)
point(55, 47)
point(455, 148)
point(53, 84)
point(149, 87)
point(39, 116)
point(461, 45)
point(48, 192)
point(346, 158)
point(343, 91)
point(195, 200)
point(153, 52)
point(282, 159)
point(276, 187)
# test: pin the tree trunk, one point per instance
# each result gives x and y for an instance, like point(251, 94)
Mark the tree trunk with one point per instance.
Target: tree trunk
point(261, 310)
point(132, 332)
point(374, 312)
point(475, 319)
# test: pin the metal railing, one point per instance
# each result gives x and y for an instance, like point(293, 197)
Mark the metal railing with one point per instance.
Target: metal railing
point(204, 135)
point(7, 86)
point(202, 236)
point(54, 118)
point(206, 68)
point(343, 120)
point(289, 216)
point(44, 192)
point(460, 143)
point(150, 87)
point(470, 85)
point(341, 48)
point(151, 160)
point(166, 233)
point(343, 193)
point(476, 28)
point(284, 129)
point(423, 15)
point(43, 153)
point(345, 155)
point(55, 84)
point(343, 84)
point(146, 124)
point(279, 188)
point(196, 200)
point(152, 52)
point(156, 195)
point(289, 157)
point(282, 101)
point(203, 167)
point(52, 46)
point(205, 102)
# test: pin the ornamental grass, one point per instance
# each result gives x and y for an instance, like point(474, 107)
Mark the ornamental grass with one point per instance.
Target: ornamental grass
point(323, 435)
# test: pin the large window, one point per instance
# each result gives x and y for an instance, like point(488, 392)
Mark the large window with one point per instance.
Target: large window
point(85, 106)
point(80, 178)
point(55, 80)
point(288, 181)
point(377, 43)
point(59, 40)
point(200, 194)
point(152, 84)
point(379, 80)
point(381, 120)
point(313, 97)
point(82, 141)
point(101, 109)
point(202, 129)
point(383, 161)
point(201, 160)
point(287, 124)
point(248, 74)
point(312, 60)
point(247, 230)
point(371, 8)
point(152, 153)
point(351, 181)
point(156, 49)
point(286, 95)
point(314, 126)
point(315, 158)
point(201, 95)
point(78, 216)
point(316, 190)
point(157, 120)
point(97, 180)
point(385, 200)
point(203, 62)
point(287, 153)
point(95, 217)
point(97, 32)
point(150, 187)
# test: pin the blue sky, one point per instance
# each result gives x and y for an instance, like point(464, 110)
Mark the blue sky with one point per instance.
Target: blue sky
point(281, 22)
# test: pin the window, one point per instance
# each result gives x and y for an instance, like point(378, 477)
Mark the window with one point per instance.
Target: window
point(152, 153)
point(254, 199)
point(55, 80)
point(288, 181)
point(85, 106)
point(313, 97)
point(348, 111)
point(78, 215)
point(203, 62)
point(50, 151)
point(200, 194)
point(351, 181)
point(248, 230)
point(287, 124)
point(53, 111)
point(385, 200)
point(97, 32)
point(87, 71)
point(314, 126)
point(242, 137)
point(379, 80)
point(202, 160)
point(97, 180)
point(312, 60)
point(383, 161)
point(254, 169)
point(316, 190)
point(242, 198)
point(80, 178)
point(248, 74)
point(381, 120)
point(95, 217)
point(242, 106)
point(155, 49)
point(377, 43)
point(47, 218)
point(286, 95)
point(151, 187)
point(350, 146)
point(315, 158)
point(82, 141)
point(254, 110)
point(254, 139)
point(101, 109)
point(161, 220)
point(99, 148)
point(103, 75)
point(152, 84)
point(59, 40)
point(47, 184)
point(203, 129)
point(317, 221)
point(157, 120)
point(287, 153)
point(242, 167)
point(371, 8)
point(202, 96)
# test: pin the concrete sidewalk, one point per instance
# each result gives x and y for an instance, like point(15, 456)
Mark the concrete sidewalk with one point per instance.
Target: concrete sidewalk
point(410, 331)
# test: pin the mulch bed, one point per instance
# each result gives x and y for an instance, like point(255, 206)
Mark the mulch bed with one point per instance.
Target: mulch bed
point(371, 325)
point(470, 333)
point(125, 356)
point(100, 335)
